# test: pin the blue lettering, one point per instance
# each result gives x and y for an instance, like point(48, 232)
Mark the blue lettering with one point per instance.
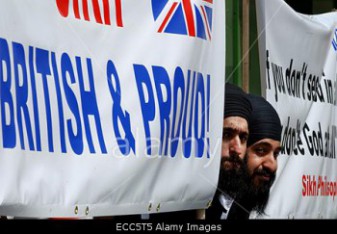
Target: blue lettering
point(8, 130)
point(161, 79)
point(146, 102)
point(60, 103)
point(22, 94)
point(42, 67)
point(34, 97)
point(76, 140)
point(179, 86)
point(118, 114)
point(183, 105)
point(200, 96)
point(187, 136)
point(89, 106)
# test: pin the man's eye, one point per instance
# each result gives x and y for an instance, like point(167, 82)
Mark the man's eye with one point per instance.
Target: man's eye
point(276, 154)
point(244, 138)
point(226, 135)
point(260, 150)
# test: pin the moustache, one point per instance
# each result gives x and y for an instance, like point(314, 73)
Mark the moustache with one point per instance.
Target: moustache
point(265, 172)
point(233, 158)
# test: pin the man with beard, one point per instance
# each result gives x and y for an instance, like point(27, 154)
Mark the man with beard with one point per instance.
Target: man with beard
point(234, 144)
point(260, 163)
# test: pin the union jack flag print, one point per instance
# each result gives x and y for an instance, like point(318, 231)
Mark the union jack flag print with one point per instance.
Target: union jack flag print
point(185, 17)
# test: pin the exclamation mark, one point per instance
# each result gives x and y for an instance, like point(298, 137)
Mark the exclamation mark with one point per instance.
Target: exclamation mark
point(207, 111)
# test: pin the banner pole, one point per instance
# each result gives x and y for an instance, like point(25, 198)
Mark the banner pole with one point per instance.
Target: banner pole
point(237, 73)
point(245, 45)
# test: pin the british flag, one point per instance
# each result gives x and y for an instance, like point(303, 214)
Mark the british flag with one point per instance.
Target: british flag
point(185, 17)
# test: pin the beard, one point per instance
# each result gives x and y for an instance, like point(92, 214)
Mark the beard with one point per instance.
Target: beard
point(233, 181)
point(239, 184)
point(256, 197)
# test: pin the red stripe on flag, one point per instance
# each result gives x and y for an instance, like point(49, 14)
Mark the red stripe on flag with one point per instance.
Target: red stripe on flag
point(206, 22)
point(209, 1)
point(189, 17)
point(168, 16)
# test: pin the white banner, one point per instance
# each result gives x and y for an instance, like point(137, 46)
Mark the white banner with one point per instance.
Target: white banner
point(106, 106)
point(300, 84)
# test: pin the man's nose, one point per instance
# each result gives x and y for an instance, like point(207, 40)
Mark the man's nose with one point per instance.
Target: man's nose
point(235, 145)
point(270, 162)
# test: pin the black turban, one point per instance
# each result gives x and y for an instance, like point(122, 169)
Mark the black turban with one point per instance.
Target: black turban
point(264, 121)
point(236, 102)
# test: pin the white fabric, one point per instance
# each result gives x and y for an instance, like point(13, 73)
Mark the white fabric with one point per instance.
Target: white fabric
point(91, 98)
point(297, 69)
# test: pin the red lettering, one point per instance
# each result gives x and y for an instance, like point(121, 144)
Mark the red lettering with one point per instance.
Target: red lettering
point(64, 5)
point(97, 12)
point(304, 189)
point(107, 12)
point(119, 13)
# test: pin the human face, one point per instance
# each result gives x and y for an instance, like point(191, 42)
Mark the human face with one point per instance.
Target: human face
point(234, 141)
point(262, 162)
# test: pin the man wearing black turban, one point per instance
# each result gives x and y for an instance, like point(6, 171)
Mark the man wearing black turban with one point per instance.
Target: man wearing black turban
point(260, 165)
point(235, 126)
point(234, 144)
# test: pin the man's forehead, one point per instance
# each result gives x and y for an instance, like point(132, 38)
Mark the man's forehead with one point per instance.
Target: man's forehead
point(268, 142)
point(235, 122)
